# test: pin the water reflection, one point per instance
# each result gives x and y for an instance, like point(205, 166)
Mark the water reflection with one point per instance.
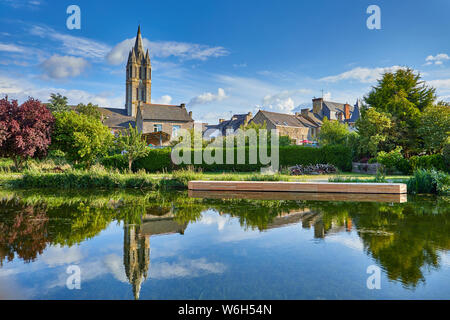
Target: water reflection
point(405, 239)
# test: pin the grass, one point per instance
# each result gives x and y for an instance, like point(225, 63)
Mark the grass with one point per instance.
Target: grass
point(56, 172)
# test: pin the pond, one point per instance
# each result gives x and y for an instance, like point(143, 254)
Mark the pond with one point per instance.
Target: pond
point(179, 245)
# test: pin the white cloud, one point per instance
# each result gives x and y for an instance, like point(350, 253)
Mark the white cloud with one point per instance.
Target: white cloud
point(440, 84)
point(208, 97)
point(163, 100)
point(57, 255)
point(437, 59)
point(188, 268)
point(365, 75)
point(75, 46)
point(164, 49)
point(11, 48)
point(282, 101)
point(60, 67)
point(20, 89)
point(23, 3)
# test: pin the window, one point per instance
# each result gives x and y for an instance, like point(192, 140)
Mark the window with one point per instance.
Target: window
point(175, 130)
point(157, 127)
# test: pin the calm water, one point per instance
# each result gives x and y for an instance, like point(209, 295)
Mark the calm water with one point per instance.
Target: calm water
point(175, 246)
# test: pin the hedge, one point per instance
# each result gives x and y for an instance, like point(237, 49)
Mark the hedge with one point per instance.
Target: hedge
point(160, 159)
point(435, 161)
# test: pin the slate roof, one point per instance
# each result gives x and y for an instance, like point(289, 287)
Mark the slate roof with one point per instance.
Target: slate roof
point(164, 112)
point(314, 118)
point(116, 118)
point(336, 107)
point(284, 119)
point(234, 123)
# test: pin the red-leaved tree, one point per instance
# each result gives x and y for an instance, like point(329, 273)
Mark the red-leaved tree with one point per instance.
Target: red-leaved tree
point(25, 130)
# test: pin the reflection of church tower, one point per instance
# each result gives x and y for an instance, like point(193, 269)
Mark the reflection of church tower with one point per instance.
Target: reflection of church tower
point(139, 77)
point(136, 256)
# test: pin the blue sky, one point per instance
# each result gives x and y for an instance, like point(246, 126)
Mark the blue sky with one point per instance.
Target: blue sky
point(221, 57)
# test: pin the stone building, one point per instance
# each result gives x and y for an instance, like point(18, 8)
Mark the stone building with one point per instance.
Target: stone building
point(297, 127)
point(139, 111)
point(342, 112)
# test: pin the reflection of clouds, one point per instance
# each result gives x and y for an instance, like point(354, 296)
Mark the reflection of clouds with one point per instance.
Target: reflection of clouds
point(110, 264)
point(115, 265)
point(57, 255)
point(352, 243)
point(185, 268)
point(214, 218)
point(445, 259)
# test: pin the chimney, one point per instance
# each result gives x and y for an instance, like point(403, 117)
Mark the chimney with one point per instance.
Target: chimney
point(221, 120)
point(317, 105)
point(248, 117)
point(305, 112)
point(347, 111)
point(190, 114)
point(183, 105)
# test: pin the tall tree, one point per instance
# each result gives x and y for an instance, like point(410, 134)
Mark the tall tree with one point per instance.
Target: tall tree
point(81, 137)
point(373, 128)
point(57, 103)
point(132, 144)
point(89, 109)
point(402, 96)
point(25, 131)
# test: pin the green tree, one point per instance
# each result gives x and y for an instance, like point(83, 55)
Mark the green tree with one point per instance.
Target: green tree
point(333, 132)
point(402, 96)
point(373, 128)
point(132, 144)
point(89, 109)
point(57, 103)
point(81, 137)
point(434, 127)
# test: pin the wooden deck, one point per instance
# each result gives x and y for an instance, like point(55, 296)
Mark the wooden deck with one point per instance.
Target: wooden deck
point(269, 195)
point(314, 187)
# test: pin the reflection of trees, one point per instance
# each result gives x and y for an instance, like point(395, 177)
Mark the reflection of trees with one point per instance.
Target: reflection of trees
point(23, 231)
point(404, 238)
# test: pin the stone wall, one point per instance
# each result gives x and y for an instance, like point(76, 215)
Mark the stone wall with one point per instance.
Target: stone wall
point(369, 168)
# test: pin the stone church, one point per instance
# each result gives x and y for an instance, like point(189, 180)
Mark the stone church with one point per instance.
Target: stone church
point(139, 110)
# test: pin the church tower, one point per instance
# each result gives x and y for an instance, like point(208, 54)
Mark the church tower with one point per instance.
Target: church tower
point(136, 257)
point(139, 77)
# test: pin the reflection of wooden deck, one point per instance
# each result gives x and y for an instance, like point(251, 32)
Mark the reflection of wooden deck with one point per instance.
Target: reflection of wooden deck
point(358, 197)
point(316, 187)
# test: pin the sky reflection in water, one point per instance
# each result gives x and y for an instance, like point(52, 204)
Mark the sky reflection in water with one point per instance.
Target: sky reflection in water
point(172, 246)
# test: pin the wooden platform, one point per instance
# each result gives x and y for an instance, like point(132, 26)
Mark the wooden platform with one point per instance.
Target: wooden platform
point(316, 187)
point(269, 195)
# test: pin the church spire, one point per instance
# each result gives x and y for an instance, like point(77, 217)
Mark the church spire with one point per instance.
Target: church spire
point(138, 48)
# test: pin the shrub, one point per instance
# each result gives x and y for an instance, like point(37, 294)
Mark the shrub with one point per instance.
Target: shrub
point(116, 161)
point(446, 155)
point(159, 160)
point(391, 160)
point(429, 181)
point(435, 161)
point(156, 160)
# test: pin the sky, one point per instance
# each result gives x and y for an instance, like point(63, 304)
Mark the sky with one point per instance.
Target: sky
point(221, 57)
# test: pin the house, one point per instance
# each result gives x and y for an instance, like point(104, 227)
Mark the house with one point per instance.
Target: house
point(139, 111)
point(226, 126)
point(296, 126)
point(342, 112)
point(163, 118)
